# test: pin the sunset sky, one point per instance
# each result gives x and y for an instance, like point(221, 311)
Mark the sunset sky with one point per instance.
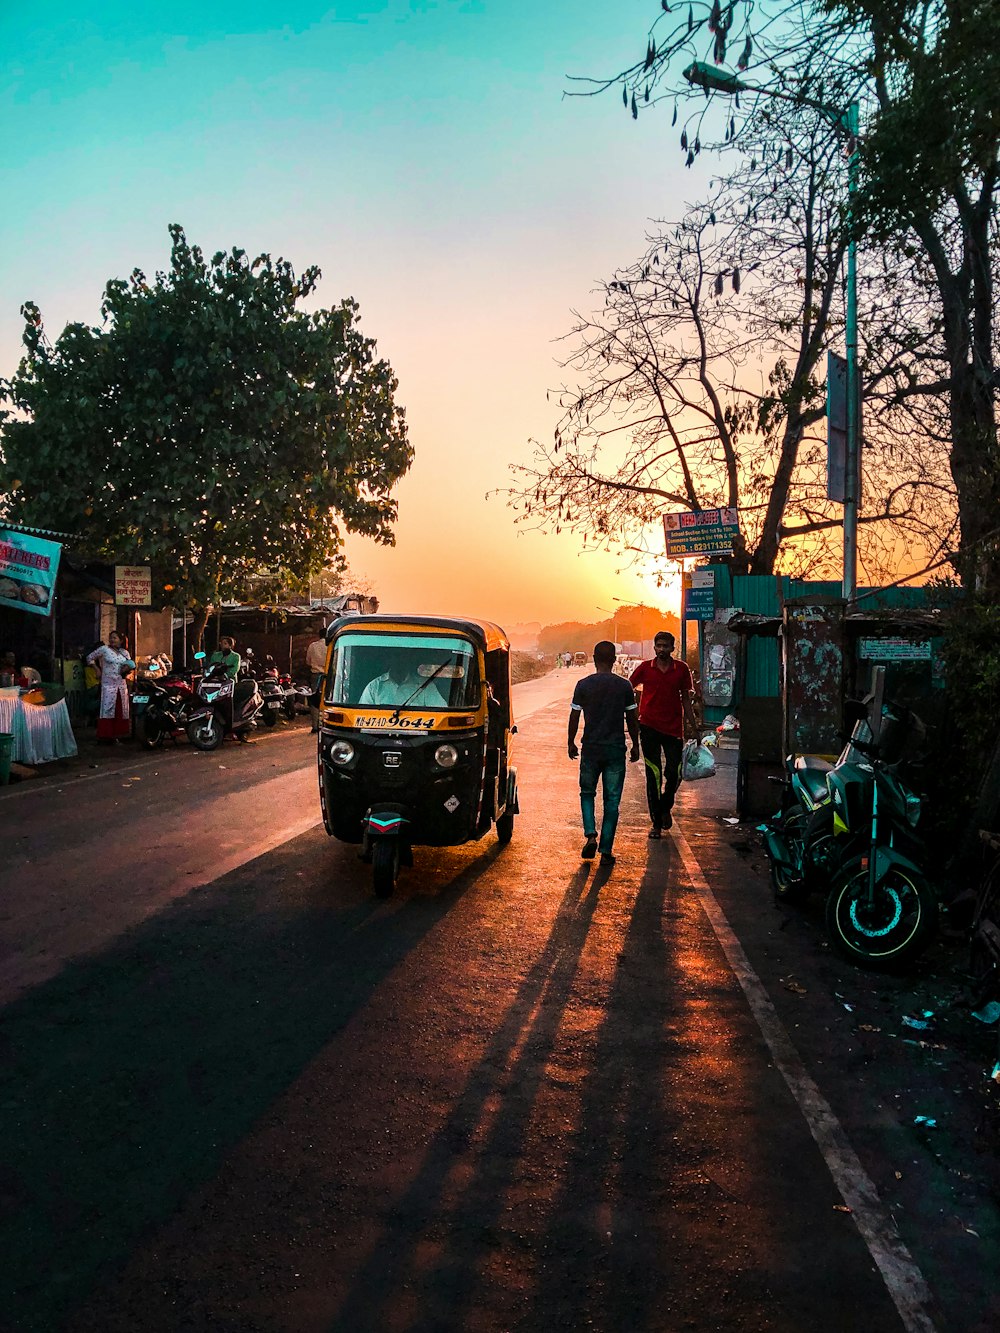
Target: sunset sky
point(425, 156)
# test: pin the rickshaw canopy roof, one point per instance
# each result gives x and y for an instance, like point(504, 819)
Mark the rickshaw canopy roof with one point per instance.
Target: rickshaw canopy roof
point(487, 636)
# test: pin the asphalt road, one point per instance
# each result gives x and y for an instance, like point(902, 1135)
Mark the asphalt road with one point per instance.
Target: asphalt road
point(238, 1093)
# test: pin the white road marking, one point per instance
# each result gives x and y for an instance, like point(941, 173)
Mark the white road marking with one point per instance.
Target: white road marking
point(902, 1277)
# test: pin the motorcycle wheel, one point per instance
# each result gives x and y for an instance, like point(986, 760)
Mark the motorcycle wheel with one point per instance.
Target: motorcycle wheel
point(205, 735)
point(898, 925)
point(151, 729)
point(385, 866)
point(270, 716)
point(289, 707)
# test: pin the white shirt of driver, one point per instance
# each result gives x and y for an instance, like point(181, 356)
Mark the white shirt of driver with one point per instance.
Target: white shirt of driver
point(383, 691)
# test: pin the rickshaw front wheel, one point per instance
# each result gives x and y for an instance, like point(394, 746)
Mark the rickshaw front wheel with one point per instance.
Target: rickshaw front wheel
point(505, 828)
point(385, 866)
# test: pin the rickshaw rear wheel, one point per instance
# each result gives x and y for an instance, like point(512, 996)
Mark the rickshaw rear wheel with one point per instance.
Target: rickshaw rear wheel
point(505, 828)
point(385, 866)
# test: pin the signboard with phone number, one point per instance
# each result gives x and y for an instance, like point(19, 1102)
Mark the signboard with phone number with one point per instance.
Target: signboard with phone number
point(705, 532)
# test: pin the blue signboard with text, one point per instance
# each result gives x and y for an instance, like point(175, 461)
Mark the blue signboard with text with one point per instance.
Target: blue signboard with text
point(28, 568)
point(699, 595)
point(704, 532)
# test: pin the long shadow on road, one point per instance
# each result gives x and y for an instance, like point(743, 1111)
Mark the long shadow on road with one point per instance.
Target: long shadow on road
point(513, 1066)
point(126, 1079)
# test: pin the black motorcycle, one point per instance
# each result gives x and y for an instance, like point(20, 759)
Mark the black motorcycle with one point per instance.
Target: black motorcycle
point(272, 692)
point(162, 707)
point(850, 829)
point(222, 707)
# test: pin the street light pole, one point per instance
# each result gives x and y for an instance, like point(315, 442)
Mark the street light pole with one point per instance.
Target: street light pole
point(614, 620)
point(703, 75)
point(852, 462)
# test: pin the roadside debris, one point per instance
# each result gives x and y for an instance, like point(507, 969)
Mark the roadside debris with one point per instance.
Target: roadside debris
point(921, 1024)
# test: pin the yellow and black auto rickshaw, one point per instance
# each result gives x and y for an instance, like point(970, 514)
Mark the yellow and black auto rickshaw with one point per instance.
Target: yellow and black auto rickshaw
point(415, 736)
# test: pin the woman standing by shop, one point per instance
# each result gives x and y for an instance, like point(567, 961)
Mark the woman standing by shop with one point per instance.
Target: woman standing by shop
point(115, 666)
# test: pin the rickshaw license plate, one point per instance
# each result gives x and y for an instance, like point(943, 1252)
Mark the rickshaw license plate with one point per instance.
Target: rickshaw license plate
point(392, 758)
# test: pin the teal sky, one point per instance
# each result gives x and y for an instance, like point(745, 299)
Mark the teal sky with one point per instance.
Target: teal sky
point(423, 154)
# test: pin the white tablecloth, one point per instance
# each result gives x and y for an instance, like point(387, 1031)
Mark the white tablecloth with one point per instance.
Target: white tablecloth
point(41, 732)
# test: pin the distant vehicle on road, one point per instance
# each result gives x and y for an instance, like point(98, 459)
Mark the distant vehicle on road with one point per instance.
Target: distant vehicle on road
point(579, 659)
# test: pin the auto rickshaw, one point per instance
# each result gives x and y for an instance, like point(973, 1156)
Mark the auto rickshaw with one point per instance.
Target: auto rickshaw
point(415, 736)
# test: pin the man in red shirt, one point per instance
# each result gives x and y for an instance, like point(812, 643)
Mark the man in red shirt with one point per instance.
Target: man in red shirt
point(664, 687)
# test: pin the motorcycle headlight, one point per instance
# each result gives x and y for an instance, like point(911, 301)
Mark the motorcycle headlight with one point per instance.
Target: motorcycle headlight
point(446, 756)
point(341, 752)
point(912, 809)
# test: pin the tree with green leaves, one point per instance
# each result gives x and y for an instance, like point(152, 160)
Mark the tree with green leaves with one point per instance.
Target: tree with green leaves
point(211, 428)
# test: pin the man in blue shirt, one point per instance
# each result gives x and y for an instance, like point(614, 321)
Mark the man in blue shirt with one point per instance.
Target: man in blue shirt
point(607, 705)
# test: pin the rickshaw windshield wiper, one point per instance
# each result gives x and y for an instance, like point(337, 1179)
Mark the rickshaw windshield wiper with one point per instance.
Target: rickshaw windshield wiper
point(424, 683)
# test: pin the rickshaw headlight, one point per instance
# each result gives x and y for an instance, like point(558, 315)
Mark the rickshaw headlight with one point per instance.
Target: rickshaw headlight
point(446, 756)
point(341, 752)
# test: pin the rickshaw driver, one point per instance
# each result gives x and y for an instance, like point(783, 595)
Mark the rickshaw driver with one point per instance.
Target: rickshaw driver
point(395, 687)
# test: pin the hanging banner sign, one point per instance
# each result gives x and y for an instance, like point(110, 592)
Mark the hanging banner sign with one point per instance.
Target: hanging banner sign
point(707, 532)
point(699, 595)
point(133, 585)
point(28, 568)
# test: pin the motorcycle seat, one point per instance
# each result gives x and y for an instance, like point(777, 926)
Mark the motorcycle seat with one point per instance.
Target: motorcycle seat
point(244, 690)
point(812, 772)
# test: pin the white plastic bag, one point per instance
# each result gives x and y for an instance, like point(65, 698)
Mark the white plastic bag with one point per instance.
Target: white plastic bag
point(696, 761)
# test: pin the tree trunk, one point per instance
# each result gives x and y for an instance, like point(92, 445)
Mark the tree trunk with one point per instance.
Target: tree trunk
point(198, 627)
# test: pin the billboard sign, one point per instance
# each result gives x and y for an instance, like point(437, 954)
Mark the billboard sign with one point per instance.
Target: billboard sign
point(28, 569)
point(705, 532)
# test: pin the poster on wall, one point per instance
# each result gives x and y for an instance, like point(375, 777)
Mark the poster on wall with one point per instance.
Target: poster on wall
point(28, 568)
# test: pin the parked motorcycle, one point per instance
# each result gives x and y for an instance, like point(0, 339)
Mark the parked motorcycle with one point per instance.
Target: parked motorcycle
point(272, 693)
point(289, 694)
point(166, 704)
point(223, 707)
point(849, 829)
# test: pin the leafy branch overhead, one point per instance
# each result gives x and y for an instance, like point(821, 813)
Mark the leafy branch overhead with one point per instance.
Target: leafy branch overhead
point(923, 74)
point(211, 426)
point(701, 382)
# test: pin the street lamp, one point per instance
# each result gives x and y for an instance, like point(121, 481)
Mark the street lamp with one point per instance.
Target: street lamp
point(614, 620)
point(703, 75)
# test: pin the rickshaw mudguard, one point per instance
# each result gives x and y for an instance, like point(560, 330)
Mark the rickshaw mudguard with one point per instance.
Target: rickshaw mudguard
point(385, 823)
point(511, 804)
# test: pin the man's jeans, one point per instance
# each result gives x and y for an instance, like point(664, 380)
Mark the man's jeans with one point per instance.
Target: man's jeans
point(606, 762)
point(662, 758)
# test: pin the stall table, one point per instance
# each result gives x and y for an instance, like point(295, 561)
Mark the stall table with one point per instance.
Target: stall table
point(42, 732)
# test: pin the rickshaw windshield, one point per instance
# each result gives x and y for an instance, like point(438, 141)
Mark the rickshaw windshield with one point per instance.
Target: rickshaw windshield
point(424, 671)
